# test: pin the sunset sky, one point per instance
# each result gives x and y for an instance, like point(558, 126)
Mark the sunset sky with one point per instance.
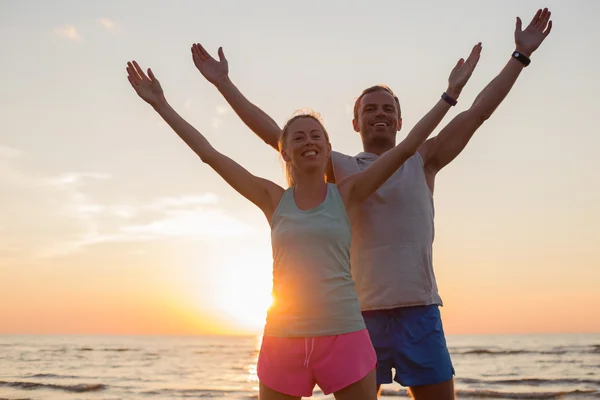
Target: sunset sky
point(110, 224)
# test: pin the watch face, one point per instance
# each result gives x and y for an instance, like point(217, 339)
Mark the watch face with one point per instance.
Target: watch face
point(517, 54)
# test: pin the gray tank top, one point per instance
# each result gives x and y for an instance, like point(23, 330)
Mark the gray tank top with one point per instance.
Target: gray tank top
point(313, 290)
point(393, 232)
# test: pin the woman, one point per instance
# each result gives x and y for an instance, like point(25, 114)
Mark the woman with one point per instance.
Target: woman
point(314, 333)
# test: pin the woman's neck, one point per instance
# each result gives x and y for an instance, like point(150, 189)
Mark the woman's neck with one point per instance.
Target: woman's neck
point(309, 191)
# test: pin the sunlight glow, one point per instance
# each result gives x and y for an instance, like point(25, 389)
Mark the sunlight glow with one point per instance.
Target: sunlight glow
point(246, 299)
point(244, 294)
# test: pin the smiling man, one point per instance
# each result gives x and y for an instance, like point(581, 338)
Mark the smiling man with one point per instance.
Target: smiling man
point(391, 253)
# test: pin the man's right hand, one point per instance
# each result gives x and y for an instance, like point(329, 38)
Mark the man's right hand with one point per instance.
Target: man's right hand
point(214, 71)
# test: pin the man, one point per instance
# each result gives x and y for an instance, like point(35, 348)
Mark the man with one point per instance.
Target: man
point(393, 237)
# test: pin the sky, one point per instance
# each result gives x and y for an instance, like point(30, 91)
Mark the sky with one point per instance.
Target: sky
point(109, 224)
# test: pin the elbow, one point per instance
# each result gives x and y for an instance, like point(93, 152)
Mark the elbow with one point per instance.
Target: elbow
point(480, 114)
point(208, 157)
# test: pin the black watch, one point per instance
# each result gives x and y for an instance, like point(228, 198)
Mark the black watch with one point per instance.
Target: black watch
point(522, 58)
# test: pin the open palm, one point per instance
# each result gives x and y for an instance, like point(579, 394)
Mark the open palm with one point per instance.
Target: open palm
point(464, 69)
point(531, 38)
point(147, 87)
point(214, 71)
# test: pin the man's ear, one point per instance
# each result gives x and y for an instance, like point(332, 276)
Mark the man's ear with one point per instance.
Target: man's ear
point(399, 124)
point(355, 125)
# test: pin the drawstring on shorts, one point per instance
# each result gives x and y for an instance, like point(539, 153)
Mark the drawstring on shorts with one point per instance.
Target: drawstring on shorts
point(307, 354)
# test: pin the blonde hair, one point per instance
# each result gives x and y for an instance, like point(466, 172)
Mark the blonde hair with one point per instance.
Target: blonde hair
point(302, 113)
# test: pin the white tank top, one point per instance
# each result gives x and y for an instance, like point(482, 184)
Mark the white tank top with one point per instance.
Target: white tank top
point(392, 237)
point(313, 290)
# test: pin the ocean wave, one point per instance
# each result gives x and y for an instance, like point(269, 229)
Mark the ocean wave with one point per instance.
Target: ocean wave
point(558, 350)
point(80, 388)
point(59, 350)
point(508, 352)
point(530, 381)
point(105, 349)
point(491, 394)
point(3, 398)
point(494, 394)
point(190, 393)
point(53, 376)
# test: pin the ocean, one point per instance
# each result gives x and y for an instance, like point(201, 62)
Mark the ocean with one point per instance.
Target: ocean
point(224, 367)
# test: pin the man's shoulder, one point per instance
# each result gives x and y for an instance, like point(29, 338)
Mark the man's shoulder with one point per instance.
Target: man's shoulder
point(337, 154)
point(342, 165)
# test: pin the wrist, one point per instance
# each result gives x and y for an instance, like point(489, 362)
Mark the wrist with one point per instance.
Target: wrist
point(522, 58)
point(160, 105)
point(527, 53)
point(453, 92)
point(222, 82)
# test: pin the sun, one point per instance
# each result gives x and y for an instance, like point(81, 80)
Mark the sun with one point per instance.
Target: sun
point(244, 294)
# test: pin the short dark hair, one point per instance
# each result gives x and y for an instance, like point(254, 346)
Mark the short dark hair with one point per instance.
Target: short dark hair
point(372, 89)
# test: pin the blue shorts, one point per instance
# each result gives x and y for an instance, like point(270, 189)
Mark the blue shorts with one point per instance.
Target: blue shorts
point(410, 340)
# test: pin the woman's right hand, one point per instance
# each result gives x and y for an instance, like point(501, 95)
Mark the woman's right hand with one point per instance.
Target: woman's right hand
point(214, 71)
point(147, 87)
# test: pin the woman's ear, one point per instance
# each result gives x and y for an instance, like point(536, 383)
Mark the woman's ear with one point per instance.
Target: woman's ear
point(285, 156)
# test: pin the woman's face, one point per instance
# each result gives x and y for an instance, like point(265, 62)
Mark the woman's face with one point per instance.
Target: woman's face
point(307, 145)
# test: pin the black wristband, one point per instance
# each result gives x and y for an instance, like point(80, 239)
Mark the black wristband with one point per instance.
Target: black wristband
point(448, 99)
point(522, 58)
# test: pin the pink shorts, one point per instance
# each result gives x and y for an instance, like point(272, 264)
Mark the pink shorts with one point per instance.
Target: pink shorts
point(293, 366)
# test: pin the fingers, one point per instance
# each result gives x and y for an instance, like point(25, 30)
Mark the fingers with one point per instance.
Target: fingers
point(541, 25)
point(473, 58)
point(139, 70)
point(221, 55)
point(134, 85)
point(132, 74)
point(196, 55)
point(201, 52)
point(151, 75)
point(197, 52)
point(535, 18)
point(548, 29)
point(519, 27)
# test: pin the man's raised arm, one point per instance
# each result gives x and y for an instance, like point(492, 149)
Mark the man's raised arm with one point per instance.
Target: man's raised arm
point(217, 73)
point(452, 139)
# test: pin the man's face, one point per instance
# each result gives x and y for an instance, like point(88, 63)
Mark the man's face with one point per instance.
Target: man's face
point(378, 119)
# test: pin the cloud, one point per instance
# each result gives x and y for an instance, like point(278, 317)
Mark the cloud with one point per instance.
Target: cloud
point(51, 216)
point(221, 110)
point(185, 200)
point(68, 32)
point(216, 122)
point(9, 152)
point(193, 223)
point(77, 177)
point(191, 216)
point(188, 104)
point(109, 25)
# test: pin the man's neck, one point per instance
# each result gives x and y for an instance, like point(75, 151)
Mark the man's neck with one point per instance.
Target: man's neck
point(377, 148)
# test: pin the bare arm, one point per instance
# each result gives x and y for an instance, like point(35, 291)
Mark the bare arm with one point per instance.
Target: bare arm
point(356, 188)
point(441, 150)
point(263, 193)
point(217, 72)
